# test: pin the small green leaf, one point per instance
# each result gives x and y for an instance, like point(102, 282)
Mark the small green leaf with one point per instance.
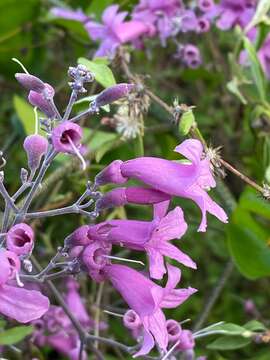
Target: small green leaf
point(233, 87)
point(252, 202)
point(256, 69)
point(14, 335)
point(230, 329)
point(255, 325)
point(229, 343)
point(101, 71)
point(186, 121)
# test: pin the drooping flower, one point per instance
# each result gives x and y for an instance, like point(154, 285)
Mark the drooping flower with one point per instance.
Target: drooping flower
point(147, 300)
point(30, 82)
point(15, 302)
point(150, 236)
point(112, 94)
point(189, 180)
point(20, 239)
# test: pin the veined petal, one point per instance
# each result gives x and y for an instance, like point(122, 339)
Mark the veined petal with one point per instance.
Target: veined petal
point(147, 345)
point(156, 263)
point(172, 226)
point(160, 209)
point(173, 252)
point(176, 297)
point(156, 324)
point(109, 14)
point(192, 149)
point(21, 304)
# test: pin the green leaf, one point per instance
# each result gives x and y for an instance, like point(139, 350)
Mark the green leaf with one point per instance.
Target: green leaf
point(25, 113)
point(233, 87)
point(186, 121)
point(230, 329)
point(256, 69)
point(106, 147)
point(101, 71)
point(97, 7)
point(248, 245)
point(252, 202)
point(255, 325)
point(229, 343)
point(261, 10)
point(14, 335)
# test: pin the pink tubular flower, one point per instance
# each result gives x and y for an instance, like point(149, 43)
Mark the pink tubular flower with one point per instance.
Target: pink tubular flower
point(147, 299)
point(17, 303)
point(188, 180)
point(114, 31)
point(174, 330)
point(66, 136)
point(112, 94)
point(20, 239)
point(152, 237)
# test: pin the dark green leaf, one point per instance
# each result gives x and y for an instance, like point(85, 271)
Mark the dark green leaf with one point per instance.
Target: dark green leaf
point(229, 343)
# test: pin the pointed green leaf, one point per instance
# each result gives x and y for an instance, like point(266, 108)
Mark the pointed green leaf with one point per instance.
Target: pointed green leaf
point(229, 343)
point(103, 74)
point(14, 335)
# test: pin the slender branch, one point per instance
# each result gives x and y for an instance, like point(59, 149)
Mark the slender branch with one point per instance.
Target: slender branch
point(71, 102)
point(8, 199)
point(78, 117)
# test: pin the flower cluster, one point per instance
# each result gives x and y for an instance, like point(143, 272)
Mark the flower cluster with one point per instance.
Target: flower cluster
point(93, 244)
point(169, 20)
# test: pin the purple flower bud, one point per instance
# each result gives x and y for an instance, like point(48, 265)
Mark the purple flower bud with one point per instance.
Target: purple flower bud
point(35, 146)
point(20, 239)
point(79, 237)
point(30, 82)
point(205, 5)
point(131, 320)
point(93, 256)
point(249, 307)
point(64, 135)
point(186, 341)
point(191, 56)
point(112, 94)
point(111, 174)
point(41, 100)
point(174, 330)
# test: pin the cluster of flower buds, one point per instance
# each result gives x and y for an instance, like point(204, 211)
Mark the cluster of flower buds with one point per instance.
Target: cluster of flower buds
point(80, 75)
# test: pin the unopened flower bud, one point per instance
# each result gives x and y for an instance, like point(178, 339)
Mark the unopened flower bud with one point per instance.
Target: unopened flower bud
point(112, 94)
point(79, 237)
point(41, 100)
point(35, 146)
point(20, 239)
point(66, 134)
point(111, 174)
point(30, 82)
point(186, 341)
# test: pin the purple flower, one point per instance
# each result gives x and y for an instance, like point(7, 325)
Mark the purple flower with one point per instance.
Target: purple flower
point(18, 303)
point(230, 13)
point(187, 341)
point(188, 180)
point(41, 100)
point(35, 146)
point(151, 237)
point(191, 56)
point(158, 14)
point(174, 330)
point(114, 31)
point(147, 299)
point(205, 5)
point(20, 239)
point(66, 137)
point(130, 195)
